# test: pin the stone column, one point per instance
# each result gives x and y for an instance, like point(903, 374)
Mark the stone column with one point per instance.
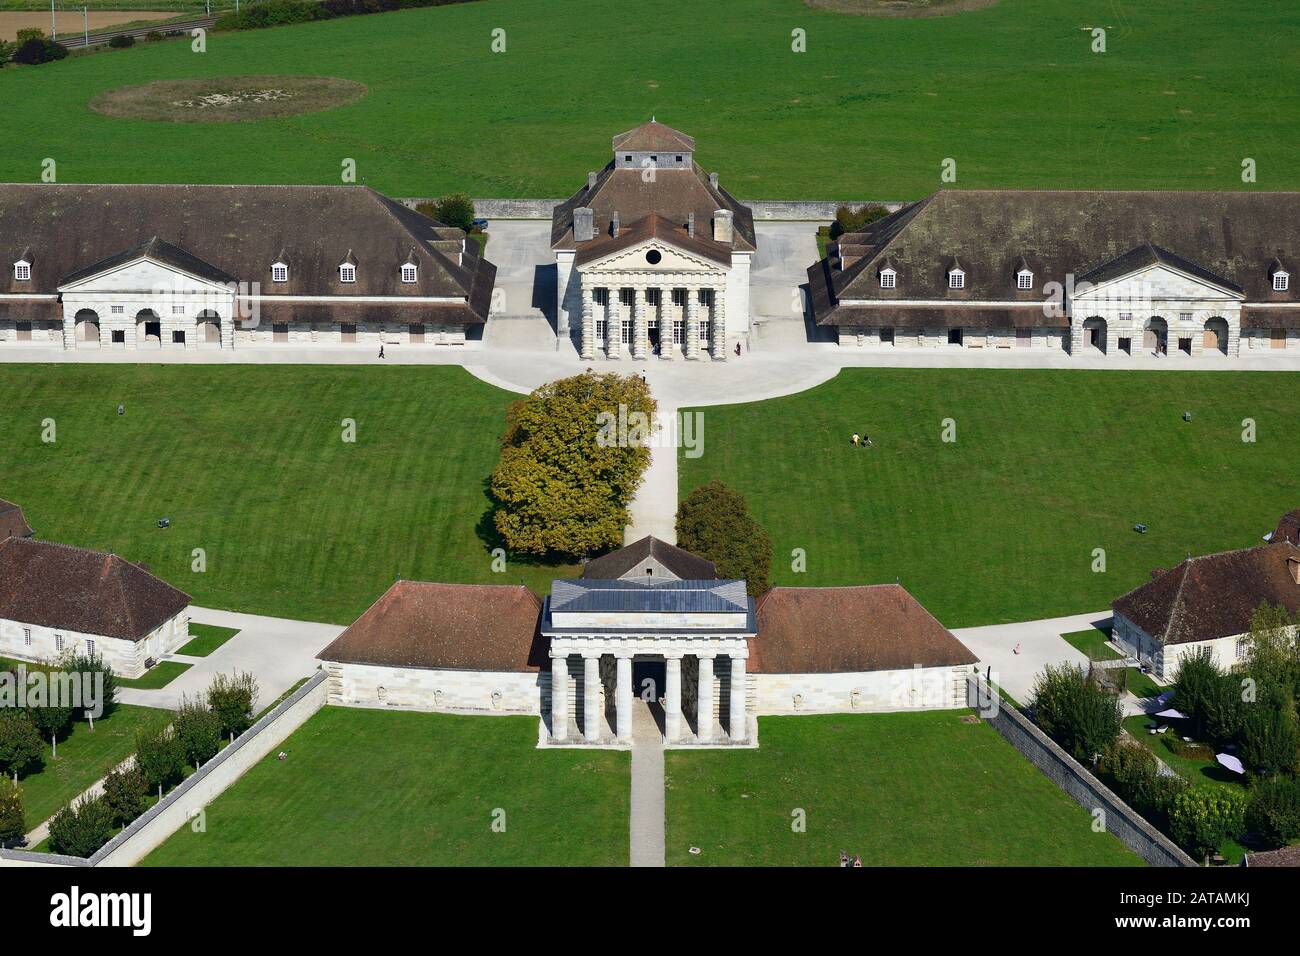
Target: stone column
point(719, 324)
point(613, 324)
point(704, 700)
point(692, 323)
point(559, 698)
point(623, 698)
point(672, 699)
point(738, 693)
point(588, 323)
point(640, 324)
point(69, 328)
point(591, 695)
point(665, 324)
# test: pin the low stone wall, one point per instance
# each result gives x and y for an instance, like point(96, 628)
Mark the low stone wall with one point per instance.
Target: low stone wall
point(1075, 779)
point(793, 210)
point(163, 819)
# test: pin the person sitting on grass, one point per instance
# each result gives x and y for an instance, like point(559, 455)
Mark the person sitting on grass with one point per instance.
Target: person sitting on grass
point(855, 439)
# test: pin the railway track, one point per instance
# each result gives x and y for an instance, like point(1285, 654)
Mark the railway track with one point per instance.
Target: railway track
point(79, 40)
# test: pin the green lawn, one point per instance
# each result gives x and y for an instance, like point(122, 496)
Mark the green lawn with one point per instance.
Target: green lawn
point(378, 788)
point(918, 789)
point(84, 757)
point(249, 465)
point(160, 675)
point(1013, 93)
point(206, 638)
point(1092, 643)
point(1048, 466)
point(1142, 685)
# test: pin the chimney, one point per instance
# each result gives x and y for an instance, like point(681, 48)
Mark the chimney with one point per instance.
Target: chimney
point(690, 224)
point(591, 181)
point(613, 225)
point(722, 226)
point(1293, 565)
point(584, 228)
point(713, 180)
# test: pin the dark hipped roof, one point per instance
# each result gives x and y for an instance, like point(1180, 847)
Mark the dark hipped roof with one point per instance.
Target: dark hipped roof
point(652, 136)
point(490, 627)
point(654, 226)
point(159, 250)
point(1286, 856)
point(1229, 238)
point(599, 595)
point(240, 232)
point(672, 195)
point(1149, 254)
point(1288, 528)
point(678, 561)
point(1214, 595)
point(876, 627)
point(12, 522)
point(59, 586)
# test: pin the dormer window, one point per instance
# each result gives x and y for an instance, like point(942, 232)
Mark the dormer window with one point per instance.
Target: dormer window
point(1281, 281)
point(888, 278)
point(279, 272)
point(409, 272)
point(347, 272)
point(956, 279)
point(1024, 279)
point(22, 271)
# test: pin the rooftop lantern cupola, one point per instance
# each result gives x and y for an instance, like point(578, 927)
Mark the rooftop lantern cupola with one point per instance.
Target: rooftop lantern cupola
point(653, 145)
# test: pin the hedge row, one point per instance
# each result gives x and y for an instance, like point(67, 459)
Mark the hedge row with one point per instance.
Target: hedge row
point(274, 13)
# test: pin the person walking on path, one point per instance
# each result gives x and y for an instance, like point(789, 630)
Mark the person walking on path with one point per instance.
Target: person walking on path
point(381, 350)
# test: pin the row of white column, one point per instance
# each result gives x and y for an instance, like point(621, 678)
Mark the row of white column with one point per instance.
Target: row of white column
point(640, 344)
point(623, 698)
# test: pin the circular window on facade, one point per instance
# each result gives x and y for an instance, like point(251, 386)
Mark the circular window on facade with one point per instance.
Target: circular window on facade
point(653, 257)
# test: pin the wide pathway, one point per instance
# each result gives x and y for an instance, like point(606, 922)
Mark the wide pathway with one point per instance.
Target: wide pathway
point(647, 816)
point(277, 651)
point(1040, 643)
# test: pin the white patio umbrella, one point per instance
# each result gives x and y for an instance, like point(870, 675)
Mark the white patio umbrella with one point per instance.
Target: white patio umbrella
point(1172, 714)
point(1231, 762)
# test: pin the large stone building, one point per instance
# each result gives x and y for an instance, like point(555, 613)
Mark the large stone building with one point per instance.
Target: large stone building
point(1205, 604)
point(56, 599)
point(216, 267)
point(1097, 273)
point(648, 625)
point(652, 254)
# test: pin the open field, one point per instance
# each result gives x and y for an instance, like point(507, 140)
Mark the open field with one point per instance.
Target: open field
point(249, 464)
point(1012, 92)
point(919, 789)
point(1002, 524)
point(11, 21)
point(377, 788)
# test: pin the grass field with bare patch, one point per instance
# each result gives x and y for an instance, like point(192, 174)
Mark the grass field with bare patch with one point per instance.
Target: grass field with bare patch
point(230, 99)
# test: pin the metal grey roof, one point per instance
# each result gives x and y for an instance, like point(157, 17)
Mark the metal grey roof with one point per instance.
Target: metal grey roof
point(667, 597)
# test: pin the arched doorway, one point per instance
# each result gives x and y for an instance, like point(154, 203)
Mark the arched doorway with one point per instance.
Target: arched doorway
point(1216, 335)
point(1155, 336)
point(148, 329)
point(1094, 332)
point(86, 328)
point(208, 329)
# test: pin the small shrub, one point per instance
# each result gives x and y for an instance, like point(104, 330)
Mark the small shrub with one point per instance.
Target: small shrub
point(82, 828)
point(199, 730)
point(1273, 813)
point(126, 793)
point(1076, 711)
point(455, 209)
point(153, 36)
point(13, 821)
point(38, 50)
point(161, 758)
point(21, 747)
point(848, 219)
point(122, 41)
point(1202, 818)
point(232, 698)
point(1190, 751)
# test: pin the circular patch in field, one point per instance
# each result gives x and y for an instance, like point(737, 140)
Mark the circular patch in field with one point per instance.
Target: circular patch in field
point(900, 8)
point(227, 99)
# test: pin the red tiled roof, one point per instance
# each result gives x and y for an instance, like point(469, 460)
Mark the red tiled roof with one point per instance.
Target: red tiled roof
point(12, 522)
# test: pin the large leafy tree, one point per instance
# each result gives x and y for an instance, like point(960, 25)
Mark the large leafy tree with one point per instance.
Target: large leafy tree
point(714, 522)
point(572, 456)
point(1076, 711)
point(1272, 649)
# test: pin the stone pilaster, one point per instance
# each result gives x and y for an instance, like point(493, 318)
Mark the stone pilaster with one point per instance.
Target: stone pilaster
point(588, 323)
point(665, 323)
point(591, 696)
point(640, 324)
point(672, 699)
point(692, 324)
point(623, 698)
point(559, 698)
point(613, 325)
point(719, 317)
point(738, 693)
point(704, 700)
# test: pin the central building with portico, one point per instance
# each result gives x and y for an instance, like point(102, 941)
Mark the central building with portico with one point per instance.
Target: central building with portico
point(652, 255)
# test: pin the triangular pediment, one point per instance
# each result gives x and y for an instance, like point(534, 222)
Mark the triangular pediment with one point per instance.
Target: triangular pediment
point(142, 275)
point(1159, 281)
point(637, 258)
